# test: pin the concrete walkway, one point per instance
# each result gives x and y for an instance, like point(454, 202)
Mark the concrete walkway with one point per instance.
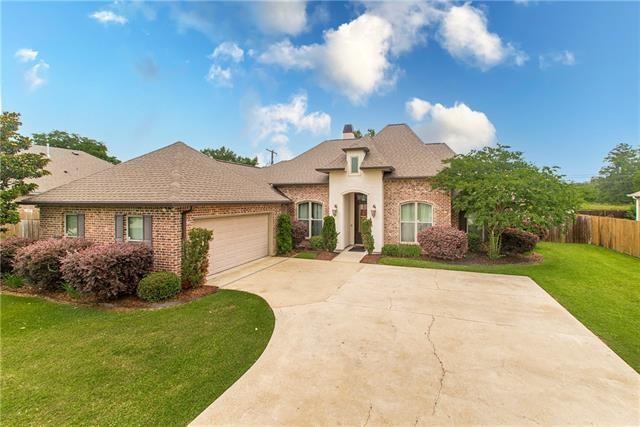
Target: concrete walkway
point(359, 344)
point(348, 256)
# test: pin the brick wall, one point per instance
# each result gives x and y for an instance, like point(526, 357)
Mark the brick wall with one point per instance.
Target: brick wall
point(398, 191)
point(306, 193)
point(100, 228)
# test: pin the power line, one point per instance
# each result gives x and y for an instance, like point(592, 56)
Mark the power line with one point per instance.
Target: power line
point(273, 153)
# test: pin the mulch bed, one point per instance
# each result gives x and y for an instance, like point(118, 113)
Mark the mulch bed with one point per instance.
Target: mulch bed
point(123, 303)
point(471, 259)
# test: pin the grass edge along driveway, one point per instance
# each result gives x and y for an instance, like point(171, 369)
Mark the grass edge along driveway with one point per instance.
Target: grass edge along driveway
point(600, 287)
point(71, 365)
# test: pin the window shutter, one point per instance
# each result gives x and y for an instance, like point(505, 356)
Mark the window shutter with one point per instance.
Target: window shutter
point(119, 228)
point(80, 225)
point(147, 229)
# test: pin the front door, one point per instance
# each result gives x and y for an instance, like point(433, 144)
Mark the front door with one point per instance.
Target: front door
point(359, 213)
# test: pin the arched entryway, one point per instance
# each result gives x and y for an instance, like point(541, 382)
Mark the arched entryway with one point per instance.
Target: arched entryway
point(355, 210)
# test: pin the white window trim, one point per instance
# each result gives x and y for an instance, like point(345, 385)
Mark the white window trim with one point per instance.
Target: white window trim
point(308, 220)
point(351, 157)
point(415, 222)
point(127, 228)
point(65, 224)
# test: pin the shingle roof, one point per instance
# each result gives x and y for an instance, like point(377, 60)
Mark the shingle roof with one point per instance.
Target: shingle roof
point(173, 175)
point(65, 166)
point(396, 148)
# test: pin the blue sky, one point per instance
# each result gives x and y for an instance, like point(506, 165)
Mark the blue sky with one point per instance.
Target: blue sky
point(557, 80)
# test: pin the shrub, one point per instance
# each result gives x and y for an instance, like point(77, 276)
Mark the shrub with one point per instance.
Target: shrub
point(403, 250)
point(537, 229)
point(284, 239)
point(329, 234)
point(367, 236)
point(195, 257)
point(158, 286)
point(443, 242)
point(316, 243)
point(475, 241)
point(515, 241)
point(108, 271)
point(39, 263)
point(8, 249)
point(300, 231)
point(12, 281)
point(71, 291)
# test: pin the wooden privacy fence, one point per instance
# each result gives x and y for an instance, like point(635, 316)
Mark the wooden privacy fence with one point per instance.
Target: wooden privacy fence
point(621, 235)
point(29, 225)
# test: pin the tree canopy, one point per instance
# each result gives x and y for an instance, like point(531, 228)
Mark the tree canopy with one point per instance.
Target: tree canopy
point(620, 174)
point(358, 134)
point(228, 155)
point(17, 167)
point(503, 190)
point(73, 141)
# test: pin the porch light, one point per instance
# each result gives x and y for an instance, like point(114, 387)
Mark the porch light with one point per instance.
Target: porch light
point(335, 210)
point(373, 211)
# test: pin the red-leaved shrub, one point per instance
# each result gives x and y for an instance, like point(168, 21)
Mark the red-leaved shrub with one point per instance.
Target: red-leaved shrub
point(299, 231)
point(443, 242)
point(108, 271)
point(516, 241)
point(539, 230)
point(39, 263)
point(8, 249)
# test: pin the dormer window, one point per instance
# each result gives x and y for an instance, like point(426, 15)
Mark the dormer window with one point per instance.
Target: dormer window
point(354, 164)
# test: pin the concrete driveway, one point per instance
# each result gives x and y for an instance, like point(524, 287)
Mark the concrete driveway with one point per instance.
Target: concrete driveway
point(359, 344)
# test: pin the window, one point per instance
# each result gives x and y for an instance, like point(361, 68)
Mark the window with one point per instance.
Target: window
point(311, 213)
point(354, 164)
point(135, 228)
point(414, 217)
point(71, 225)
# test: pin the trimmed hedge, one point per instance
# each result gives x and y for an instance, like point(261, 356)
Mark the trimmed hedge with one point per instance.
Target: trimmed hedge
point(159, 286)
point(315, 242)
point(474, 240)
point(39, 263)
point(402, 251)
point(443, 242)
point(108, 271)
point(367, 236)
point(284, 239)
point(516, 241)
point(329, 234)
point(299, 232)
point(195, 257)
point(8, 249)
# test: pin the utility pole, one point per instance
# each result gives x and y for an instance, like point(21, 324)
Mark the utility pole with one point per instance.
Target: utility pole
point(273, 153)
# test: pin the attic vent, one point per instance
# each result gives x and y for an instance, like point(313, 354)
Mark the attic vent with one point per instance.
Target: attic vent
point(74, 153)
point(65, 172)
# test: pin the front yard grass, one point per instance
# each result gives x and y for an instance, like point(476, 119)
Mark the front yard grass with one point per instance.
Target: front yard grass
point(600, 287)
point(77, 365)
point(307, 255)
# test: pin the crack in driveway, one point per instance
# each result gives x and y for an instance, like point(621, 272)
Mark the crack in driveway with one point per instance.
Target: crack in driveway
point(442, 368)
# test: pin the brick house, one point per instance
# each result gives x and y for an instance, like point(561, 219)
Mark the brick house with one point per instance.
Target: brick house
point(157, 198)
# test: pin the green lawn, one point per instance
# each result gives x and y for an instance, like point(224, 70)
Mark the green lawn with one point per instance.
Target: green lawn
point(600, 287)
point(607, 206)
point(68, 365)
point(307, 255)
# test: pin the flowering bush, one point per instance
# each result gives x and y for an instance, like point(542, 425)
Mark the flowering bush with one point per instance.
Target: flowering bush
point(299, 231)
point(8, 249)
point(108, 271)
point(443, 242)
point(39, 263)
point(159, 286)
point(515, 241)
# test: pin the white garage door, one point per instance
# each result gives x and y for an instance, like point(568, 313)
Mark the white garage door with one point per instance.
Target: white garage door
point(236, 240)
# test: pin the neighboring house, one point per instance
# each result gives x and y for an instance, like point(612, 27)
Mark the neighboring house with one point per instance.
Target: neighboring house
point(157, 198)
point(636, 198)
point(64, 166)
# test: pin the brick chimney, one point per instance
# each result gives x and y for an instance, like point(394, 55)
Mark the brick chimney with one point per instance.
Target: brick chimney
point(347, 132)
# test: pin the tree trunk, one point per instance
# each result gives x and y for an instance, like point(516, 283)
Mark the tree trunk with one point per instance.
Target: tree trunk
point(495, 242)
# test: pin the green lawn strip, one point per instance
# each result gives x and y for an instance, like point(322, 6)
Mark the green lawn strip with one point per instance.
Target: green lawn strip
point(307, 255)
point(67, 365)
point(600, 287)
point(606, 206)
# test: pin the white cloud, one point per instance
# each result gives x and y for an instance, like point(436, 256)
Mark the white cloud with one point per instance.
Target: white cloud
point(35, 76)
point(281, 17)
point(108, 17)
point(417, 108)
point(26, 55)
point(565, 57)
point(464, 34)
point(228, 50)
point(460, 127)
point(352, 58)
point(220, 76)
point(273, 123)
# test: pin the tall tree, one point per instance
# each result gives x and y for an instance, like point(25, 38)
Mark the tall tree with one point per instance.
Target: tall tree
point(503, 190)
point(358, 134)
point(16, 167)
point(73, 141)
point(228, 155)
point(620, 174)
